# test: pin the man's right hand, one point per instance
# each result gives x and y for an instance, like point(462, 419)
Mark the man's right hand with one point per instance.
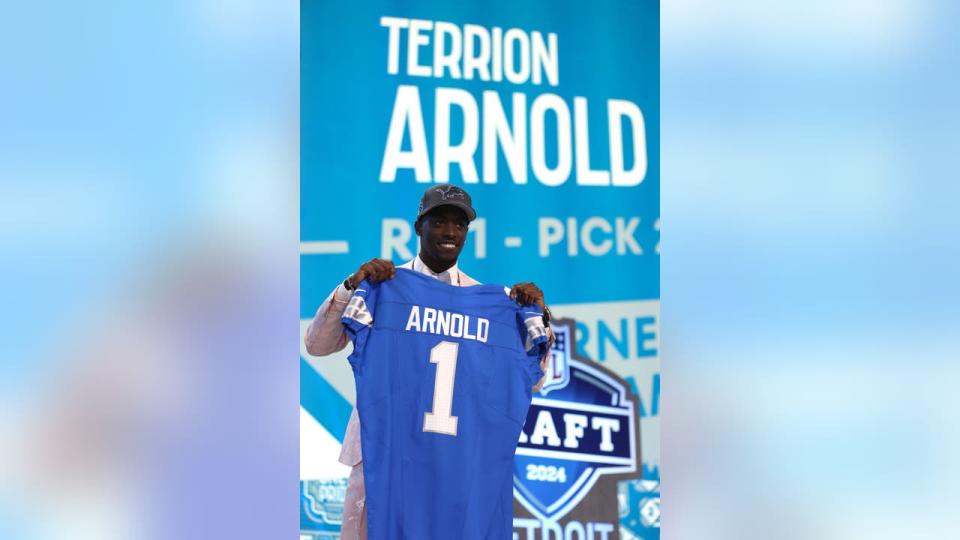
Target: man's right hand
point(376, 270)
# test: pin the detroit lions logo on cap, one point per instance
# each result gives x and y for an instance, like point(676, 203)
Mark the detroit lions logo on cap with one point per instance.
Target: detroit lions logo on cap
point(446, 192)
point(449, 192)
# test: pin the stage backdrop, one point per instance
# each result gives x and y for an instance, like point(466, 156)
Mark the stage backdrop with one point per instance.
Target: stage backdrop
point(547, 113)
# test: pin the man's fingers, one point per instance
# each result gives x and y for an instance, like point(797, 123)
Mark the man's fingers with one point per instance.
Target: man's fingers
point(365, 270)
point(528, 293)
point(372, 270)
point(519, 292)
point(382, 269)
point(523, 296)
point(375, 270)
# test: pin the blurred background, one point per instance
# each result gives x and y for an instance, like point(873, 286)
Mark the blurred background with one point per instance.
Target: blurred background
point(810, 303)
point(148, 201)
point(148, 160)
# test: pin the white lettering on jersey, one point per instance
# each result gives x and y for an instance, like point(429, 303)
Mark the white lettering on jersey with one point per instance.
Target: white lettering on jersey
point(414, 320)
point(447, 323)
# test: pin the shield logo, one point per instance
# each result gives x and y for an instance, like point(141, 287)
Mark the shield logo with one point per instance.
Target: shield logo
point(586, 428)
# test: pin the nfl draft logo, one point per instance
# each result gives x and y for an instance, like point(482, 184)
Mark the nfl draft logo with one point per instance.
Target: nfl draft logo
point(581, 437)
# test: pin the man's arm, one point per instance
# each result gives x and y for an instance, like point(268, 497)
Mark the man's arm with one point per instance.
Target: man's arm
point(325, 335)
point(528, 293)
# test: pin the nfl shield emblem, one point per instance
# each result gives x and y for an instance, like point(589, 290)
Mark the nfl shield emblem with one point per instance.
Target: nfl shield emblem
point(586, 428)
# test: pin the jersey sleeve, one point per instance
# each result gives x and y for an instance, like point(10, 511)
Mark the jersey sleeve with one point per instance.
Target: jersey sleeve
point(357, 318)
point(533, 335)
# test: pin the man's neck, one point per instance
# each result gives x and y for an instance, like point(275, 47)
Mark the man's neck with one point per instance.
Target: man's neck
point(436, 267)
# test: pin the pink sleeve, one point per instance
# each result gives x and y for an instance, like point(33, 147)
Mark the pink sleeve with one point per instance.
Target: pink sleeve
point(325, 335)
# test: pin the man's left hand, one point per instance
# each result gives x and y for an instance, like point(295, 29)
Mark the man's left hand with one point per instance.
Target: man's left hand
point(529, 294)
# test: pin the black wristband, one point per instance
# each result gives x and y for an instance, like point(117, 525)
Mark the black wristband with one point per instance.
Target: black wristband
point(547, 316)
point(346, 284)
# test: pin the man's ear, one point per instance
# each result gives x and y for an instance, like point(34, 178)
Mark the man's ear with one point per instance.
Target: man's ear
point(416, 225)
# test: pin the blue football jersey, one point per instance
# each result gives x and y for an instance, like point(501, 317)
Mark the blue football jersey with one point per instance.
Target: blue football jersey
point(444, 377)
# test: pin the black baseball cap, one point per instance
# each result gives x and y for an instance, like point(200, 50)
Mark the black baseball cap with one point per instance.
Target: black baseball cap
point(446, 195)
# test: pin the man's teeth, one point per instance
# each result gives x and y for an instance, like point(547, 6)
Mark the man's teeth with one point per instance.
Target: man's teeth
point(447, 245)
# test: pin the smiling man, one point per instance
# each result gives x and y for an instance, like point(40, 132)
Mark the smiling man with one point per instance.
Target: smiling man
point(443, 219)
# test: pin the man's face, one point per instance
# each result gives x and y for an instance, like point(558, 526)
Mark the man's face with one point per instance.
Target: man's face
point(442, 234)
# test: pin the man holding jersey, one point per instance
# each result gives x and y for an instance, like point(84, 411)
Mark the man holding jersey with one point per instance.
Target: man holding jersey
point(443, 219)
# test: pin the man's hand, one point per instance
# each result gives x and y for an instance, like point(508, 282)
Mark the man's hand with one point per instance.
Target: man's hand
point(376, 270)
point(528, 293)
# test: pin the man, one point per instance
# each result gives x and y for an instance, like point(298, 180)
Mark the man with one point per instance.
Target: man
point(443, 218)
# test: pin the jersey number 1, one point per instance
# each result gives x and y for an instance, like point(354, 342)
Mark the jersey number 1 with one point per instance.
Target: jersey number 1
point(441, 419)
